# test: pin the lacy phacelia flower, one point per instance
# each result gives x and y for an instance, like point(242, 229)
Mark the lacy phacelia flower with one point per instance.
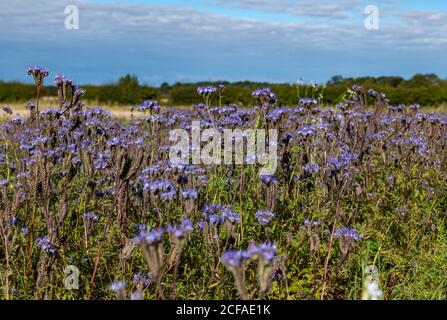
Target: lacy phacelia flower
point(266, 251)
point(206, 91)
point(45, 244)
point(233, 259)
point(190, 194)
point(180, 231)
point(149, 105)
point(139, 279)
point(7, 110)
point(308, 103)
point(268, 180)
point(38, 74)
point(264, 216)
point(311, 168)
point(265, 95)
point(149, 237)
point(346, 232)
point(119, 287)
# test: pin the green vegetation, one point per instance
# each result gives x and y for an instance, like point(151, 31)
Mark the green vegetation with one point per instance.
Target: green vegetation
point(424, 89)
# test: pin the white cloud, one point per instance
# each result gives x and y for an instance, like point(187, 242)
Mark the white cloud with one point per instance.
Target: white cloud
point(328, 9)
point(152, 34)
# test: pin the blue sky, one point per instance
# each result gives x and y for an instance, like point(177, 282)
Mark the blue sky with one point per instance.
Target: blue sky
point(259, 40)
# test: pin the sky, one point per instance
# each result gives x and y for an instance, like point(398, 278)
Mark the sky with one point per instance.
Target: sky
point(216, 40)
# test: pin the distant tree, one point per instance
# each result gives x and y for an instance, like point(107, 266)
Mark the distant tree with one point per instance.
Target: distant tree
point(335, 80)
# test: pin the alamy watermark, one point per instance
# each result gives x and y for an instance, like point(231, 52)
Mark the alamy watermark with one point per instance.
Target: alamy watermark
point(372, 19)
point(71, 281)
point(248, 146)
point(72, 17)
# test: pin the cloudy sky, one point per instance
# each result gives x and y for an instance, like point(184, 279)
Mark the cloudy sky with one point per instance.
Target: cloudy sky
point(260, 40)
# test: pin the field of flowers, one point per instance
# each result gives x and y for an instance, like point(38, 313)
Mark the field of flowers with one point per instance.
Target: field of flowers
point(91, 207)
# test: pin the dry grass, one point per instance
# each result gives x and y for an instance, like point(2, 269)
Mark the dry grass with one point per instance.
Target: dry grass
point(123, 111)
point(118, 111)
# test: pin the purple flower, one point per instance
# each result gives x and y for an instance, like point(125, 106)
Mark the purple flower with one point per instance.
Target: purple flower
point(206, 91)
point(190, 194)
point(148, 105)
point(118, 286)
point(306, 131)
point(311, 168)
point(308, 223)
point(7, 109)
point(141, 227)
point(180, 231)
point(275, 114)
point(140, 278)
point(101, 161)
point(265, 95)
point(51, 112)
point(14, 221)
point(30, 105)
point(62, 80)
point(229, 215)
point(264, 216)
point(4, 182)
point(266, 251)
point(269, 179)
point(17, 119)
point(79, 92)
point(373, 93)
point(233, 259)
point(346, 232)
point(308, 103)
point(343, 160)
point(37, 71)
point(233, 120)
point(45, 244)
point(156, 186)
point(136, 295)
point(218, 214)
point(24, 231)
point(151, 237)
point(90, 216)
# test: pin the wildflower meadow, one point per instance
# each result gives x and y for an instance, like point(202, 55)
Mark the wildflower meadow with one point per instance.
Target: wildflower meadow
point(353, 205)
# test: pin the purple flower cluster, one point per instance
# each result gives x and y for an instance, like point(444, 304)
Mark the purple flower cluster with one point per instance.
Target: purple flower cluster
point(206, 91)
point(190, 194)
point(150, 237)
point(311, 168)
point(217, 214)
point(265, 94)
point(265, 251)
point(347, 232)
point(308, 103)
point(141, 279)
point(118, 286)
point(45, 244)
point(90, 216)
point(7, 109)
point(181, 230)
point(234, 259)
point(37, 70)
point(308, 223)
point(268, 180)
point(345, 159)
point(61, 80)
point(149, 105)
point(264, 216)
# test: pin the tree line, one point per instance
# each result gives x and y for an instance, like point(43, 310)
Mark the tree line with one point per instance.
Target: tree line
point(424, 89)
